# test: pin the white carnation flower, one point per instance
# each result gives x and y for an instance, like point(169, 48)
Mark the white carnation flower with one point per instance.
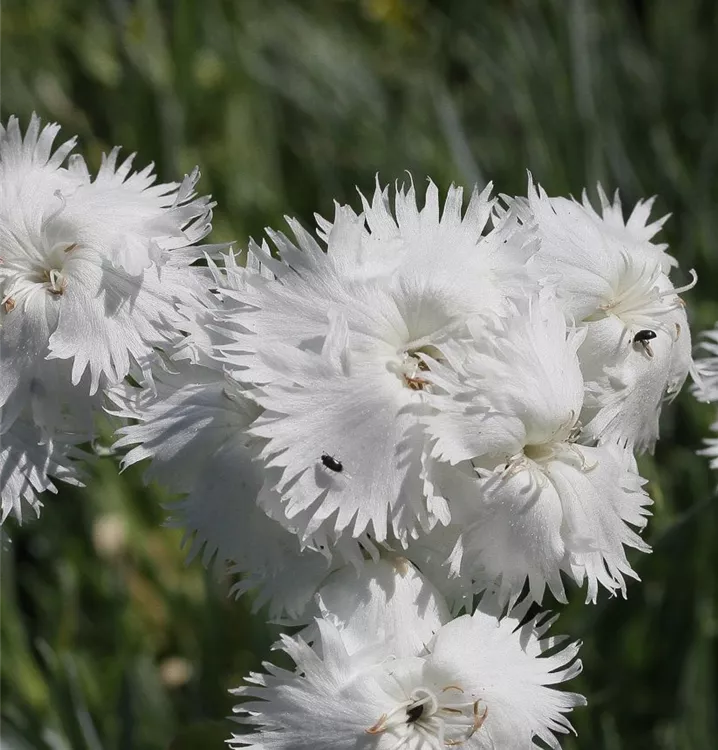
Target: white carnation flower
point(485, 683)
point(333, 343)
point(399, 280)
point(543, 504)
point(630, 373)
point(91, 270)
point(348, 438)
point(612, 281)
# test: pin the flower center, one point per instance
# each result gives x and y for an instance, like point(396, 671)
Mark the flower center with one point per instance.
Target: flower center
point(409, 367)
point(638, 297)
point(445, 717)
point(410, 371)
point(21, 278)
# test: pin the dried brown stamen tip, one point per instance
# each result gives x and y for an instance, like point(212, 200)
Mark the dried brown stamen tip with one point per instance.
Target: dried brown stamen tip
point(9, 304)
point(379, 727)
point(415, 384)
point(71, 247)
point(478, 723)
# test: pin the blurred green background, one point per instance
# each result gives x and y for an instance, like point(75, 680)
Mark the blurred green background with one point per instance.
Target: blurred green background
point(108, 640)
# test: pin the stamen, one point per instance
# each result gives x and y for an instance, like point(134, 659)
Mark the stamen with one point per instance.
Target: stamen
point(50, 217)
point(416, 384)
point(685, 288)
point(585, 467)
point(379, 726)
point(478, 723)
point(9, 304)
point(424, 715)
point(57, 282)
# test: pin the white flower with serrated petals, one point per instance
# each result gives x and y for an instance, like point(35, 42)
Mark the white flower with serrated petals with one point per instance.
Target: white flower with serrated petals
point(485, 683)
point(542, 504)
point(332, 342)
point(348, 438)
point(128, 219)
point(90, 271)
point(398, 280)
point(612, 281)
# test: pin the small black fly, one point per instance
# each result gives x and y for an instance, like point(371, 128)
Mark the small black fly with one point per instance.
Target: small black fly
point(643, 337)
point(331, 463)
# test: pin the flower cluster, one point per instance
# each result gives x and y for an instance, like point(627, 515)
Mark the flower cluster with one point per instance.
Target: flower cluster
point(422, 409)
point(92, 271)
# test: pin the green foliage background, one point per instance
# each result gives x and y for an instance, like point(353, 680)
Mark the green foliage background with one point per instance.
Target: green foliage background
point(108, 640)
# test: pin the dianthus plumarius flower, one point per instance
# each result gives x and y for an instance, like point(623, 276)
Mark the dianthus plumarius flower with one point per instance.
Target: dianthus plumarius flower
point(91, 271)
point(484, 681)
point(508, 409)
point(613, 281)
point(331, 337)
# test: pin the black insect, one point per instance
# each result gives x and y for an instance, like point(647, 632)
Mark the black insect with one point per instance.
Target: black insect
point(331, 463)
point(414, 713)
point(643, 338)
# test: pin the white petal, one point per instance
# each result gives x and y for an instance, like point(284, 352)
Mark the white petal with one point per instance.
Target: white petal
point(28, 464)
point(499, 662)
point(516, 382)
point(387, 600)
point(627, 382)
point(569, 512)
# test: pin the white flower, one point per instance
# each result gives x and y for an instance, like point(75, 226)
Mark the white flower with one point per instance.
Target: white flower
point(485, 683)
point(333, 343)
point(399, 280)
point(349, 441)
point(386, 600)
point(542, 504)
point(28, 464)
point(568, 510)
point(91, 270)
point(631, 371)
point(612, 281)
